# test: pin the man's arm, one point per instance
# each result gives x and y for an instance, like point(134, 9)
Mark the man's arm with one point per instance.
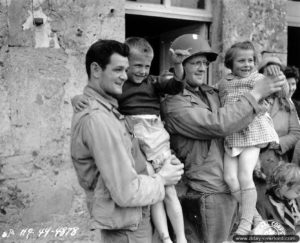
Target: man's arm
point(267, 86)
point(184, 117)
point(116, 166)
point(195, 121)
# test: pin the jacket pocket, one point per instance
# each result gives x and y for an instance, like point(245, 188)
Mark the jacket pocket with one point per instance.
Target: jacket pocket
point(110, 216)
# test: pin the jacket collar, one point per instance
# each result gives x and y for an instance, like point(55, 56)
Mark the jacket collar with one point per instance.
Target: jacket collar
point(210, 92)
point(204, 87)
point(109, 102)
point(101, 96)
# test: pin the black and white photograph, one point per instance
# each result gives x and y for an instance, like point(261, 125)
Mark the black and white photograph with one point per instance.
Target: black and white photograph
point(85, 157)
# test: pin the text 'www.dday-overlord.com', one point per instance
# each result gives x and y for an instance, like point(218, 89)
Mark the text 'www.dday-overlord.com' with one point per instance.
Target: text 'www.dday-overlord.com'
point(266, 238)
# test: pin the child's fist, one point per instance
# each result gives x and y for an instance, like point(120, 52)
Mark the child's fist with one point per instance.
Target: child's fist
point(177, 56)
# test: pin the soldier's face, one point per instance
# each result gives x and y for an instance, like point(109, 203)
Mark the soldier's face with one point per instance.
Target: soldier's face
point(195, 70)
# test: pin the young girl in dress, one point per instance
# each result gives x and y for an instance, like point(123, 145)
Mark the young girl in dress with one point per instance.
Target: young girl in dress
point(242, 148)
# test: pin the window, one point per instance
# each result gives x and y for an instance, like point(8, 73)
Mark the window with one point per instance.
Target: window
point(200, 4)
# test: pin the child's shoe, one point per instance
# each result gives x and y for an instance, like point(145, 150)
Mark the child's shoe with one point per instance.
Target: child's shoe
point(263, 228)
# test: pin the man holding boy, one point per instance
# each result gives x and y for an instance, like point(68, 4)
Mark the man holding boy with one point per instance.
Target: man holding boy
point(106, 157)
point(197, 125)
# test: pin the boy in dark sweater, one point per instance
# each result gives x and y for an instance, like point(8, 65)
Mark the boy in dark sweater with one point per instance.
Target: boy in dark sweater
point(140, 102)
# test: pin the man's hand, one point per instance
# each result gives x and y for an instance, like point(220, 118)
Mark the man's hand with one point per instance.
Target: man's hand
point(267, 86)
point(175, 160)
point(272, 70)
point(171, 172)
point(79, 102)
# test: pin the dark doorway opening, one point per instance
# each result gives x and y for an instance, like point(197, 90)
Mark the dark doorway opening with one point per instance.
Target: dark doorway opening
point(153, 29)
point(294, 52)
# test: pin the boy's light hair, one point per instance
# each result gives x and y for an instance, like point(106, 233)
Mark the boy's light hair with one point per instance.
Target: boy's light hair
point(140, 44)
point(284, 174)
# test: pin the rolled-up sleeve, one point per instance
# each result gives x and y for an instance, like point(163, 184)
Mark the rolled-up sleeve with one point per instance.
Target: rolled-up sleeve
point(116, 165)
point(195, 121)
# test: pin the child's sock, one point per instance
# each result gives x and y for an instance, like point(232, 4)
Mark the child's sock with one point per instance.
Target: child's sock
point(249, 197)
point(256, 216)
point(237, 196)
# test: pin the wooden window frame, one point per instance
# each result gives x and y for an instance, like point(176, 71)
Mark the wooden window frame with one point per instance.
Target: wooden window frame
point(293, 13)
point(166, 10)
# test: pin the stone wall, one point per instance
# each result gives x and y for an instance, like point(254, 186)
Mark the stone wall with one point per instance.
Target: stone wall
point(41, 68)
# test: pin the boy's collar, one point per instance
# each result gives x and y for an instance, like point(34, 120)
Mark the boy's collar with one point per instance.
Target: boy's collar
point(203, 87)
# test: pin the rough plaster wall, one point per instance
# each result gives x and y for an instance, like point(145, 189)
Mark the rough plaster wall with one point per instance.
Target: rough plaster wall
point(41, 68)
point(217, 38)
point(261, 21)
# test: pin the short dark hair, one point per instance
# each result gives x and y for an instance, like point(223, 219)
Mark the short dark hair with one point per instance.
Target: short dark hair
point(140, 44)
point(101, 51)
point(292, 72)
point(231, 52)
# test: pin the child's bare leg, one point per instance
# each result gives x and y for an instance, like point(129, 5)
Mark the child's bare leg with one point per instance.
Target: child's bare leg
point(158, 215)
point(160, 221)
point(247, 162)
point(174, 212)
point(231, 172)
point(231, 177)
